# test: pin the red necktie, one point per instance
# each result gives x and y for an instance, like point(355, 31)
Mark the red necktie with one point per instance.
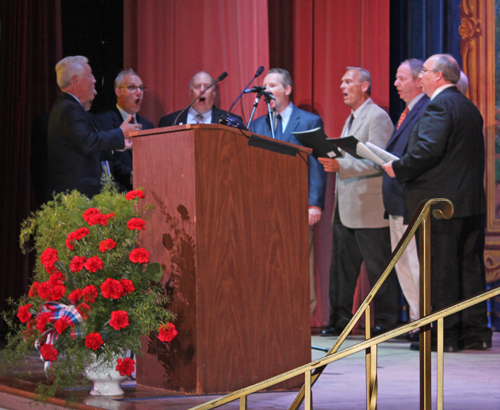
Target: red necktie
point(132, 121)
point(402, 118)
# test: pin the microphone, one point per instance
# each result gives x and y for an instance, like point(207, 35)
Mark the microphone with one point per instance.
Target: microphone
point(255, 89)
point(267, 94)
point(229, 119)
point(219, 78)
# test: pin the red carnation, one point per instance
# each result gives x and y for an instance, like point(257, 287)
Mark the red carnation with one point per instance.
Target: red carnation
point(89, 213)
point(136, 223)
point(167, 332)
point(84, 310)
point(56, 278)
point(111, 289)
point(75, 296)
point(77, 263)
point(23, 313)
point(33, 290)
point(119, 319)
point(76, 235)
point(106, 245)
point(128, 286)
point(125, 366)
point(44, 290)
point(93, 264)
point(48, 352)
point(41, 320)
point(48, 259)
point(139, 255)
point(57, 292)
point(60, 325)
point(93, 341)
point(89, 294)
point(137, 193)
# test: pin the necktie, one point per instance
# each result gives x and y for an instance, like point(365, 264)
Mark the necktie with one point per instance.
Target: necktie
point(279, 128)
point(199, 119)
point(132, 121)
point(349, 125)
point(402, 117)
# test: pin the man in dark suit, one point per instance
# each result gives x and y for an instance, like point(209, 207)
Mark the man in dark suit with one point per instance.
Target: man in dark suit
point(129, 91)
point(203, 110)
point(445, 159)
point(409, 87)
point(74, 142)
point(289, 119)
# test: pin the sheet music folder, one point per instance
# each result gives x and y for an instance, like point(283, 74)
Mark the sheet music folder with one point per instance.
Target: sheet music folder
point(317, 140)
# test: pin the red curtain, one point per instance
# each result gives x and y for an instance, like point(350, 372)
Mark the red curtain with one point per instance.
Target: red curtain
point(30, 48)
point(168, 41)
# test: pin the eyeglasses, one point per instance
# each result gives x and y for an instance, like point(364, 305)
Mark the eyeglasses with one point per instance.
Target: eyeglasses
point(133, 88)
point(425, 70)
point(199, 86)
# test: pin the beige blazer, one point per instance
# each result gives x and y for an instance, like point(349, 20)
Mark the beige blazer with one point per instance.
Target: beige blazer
point(359, 182)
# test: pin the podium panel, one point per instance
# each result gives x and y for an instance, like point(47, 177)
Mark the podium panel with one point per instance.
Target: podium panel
point(230, 230)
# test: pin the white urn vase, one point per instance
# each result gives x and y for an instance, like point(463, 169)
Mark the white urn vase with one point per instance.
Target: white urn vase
point(105, 378)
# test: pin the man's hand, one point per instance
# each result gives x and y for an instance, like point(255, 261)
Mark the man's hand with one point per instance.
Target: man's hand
point(330, 164)
point(314, 215)
point(126, 127)
point(388, 168)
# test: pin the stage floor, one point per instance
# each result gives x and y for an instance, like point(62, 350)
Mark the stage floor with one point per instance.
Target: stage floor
point(472, 381)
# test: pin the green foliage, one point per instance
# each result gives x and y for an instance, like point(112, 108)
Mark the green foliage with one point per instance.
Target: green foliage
point(145, 306)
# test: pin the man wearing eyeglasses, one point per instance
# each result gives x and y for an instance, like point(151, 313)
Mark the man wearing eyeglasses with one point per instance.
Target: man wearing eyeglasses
point(129, 90)
point(203, 111)
point(445, 159)
point(75, 144)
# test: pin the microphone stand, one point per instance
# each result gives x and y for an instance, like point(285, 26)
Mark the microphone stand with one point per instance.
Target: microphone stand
point(270, 111)
point(255, 104)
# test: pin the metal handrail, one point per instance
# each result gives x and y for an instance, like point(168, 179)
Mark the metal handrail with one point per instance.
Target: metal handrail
point(421, 219)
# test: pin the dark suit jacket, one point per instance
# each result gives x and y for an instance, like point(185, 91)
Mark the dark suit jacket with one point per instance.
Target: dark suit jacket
point(217, 114)
point(445, 156)
point(393, 193)
point(121, 161)
point(74, 148)
point(300, 120)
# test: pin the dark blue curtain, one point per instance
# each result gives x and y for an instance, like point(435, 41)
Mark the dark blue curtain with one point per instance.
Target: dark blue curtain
point(420, 29)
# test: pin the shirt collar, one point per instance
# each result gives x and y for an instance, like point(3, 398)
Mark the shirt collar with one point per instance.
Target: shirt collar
point(125, 114)
point(443, 87)
point(207, 117)
point(415, 100)
point(358, 110)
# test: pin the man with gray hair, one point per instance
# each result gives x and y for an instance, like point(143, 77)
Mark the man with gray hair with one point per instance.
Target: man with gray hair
point(409, 86)
point(74, 142)
point(445, 159)
point(360, 232)
point(129, 90)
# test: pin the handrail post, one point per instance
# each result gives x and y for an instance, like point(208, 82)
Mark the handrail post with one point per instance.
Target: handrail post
point(425, 310)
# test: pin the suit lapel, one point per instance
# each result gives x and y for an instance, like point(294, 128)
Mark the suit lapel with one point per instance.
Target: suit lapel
point(293, 123)
point(359, 119)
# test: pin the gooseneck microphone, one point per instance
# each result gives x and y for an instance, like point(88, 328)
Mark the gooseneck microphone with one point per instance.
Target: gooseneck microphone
point(219, 78)
point(255, 89)
point(232, 121)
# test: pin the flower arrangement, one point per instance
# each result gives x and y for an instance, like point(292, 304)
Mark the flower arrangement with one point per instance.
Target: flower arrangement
point(94, 293)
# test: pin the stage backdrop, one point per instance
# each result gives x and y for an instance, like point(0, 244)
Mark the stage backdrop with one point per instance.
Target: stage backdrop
point(167, 41)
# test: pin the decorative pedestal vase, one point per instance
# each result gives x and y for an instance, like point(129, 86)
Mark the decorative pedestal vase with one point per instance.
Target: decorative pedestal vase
point(105, 378)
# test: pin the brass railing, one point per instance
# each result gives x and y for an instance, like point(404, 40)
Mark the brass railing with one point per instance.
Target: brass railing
point(314, 369)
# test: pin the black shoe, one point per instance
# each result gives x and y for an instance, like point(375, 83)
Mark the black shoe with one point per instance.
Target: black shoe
point(378, 330)
point(477, 345)
point(331, 331)
point(448, 347)
point(413, 336)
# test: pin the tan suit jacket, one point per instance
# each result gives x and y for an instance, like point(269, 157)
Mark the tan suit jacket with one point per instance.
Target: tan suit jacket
point(359, 182)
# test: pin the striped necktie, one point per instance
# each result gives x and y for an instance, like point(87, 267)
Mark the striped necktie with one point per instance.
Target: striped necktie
point(402, 117)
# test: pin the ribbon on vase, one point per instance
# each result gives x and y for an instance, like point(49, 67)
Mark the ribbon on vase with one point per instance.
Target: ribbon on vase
point(68, 314)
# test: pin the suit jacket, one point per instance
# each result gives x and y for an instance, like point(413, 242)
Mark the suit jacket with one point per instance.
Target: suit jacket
point(169, 119)
point(121, 161)
point(359, 182)
point(300, 120)
point(74, 148)
point(393, 192)
point(445, 156)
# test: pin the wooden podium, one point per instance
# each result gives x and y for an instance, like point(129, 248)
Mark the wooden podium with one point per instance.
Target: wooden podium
point(230, 229)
